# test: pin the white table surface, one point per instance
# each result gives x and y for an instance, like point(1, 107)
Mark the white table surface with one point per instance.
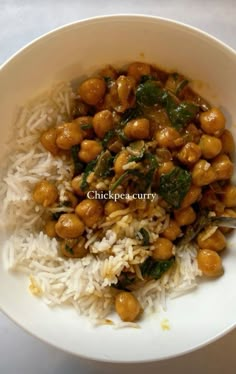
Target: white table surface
point(20, 22)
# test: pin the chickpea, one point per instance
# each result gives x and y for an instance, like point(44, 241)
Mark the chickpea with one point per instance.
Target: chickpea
point(229, 196)
point(127, 306)
point(212, 122)
point(210, 146)
point(185, 216)
point(113, 206)
point(125, 92)
point(92, 90)
point(102, 123)
point(163, 249)
point(137, 129)
point(74, 250)
point(89, 150)
point(76, 185)
point(50, 229)
point(45, 193)
point(138, 69)
point(82, 121)
point(90, 211)
point(120, 161)
point(166, 167)
point(227, 141)
point(68, 134)
point(69, 226)
point(203, 173)
point(192, 196)
point(172, 231)
point(223, 167)
point(209, 262)
point(216, 242)
point(167, 137)
point(48, 140)
point(189, 154)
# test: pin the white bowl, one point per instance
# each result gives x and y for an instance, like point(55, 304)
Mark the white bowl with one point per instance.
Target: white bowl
point(77, 50)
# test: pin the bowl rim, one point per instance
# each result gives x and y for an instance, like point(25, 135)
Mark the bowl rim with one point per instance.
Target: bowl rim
point(90, 20)
point(230, 50)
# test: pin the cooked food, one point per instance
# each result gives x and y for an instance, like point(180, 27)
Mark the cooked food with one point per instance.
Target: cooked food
point(106, 180)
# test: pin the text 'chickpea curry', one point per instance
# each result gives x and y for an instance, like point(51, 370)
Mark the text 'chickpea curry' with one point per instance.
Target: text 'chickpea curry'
point(141, 130)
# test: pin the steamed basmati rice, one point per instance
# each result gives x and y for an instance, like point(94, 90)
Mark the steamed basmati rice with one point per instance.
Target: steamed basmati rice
point(84, 283)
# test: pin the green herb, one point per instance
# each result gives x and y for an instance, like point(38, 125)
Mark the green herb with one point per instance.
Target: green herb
point(108, 136)
point(181, 114)
point(123, 176)
point(180, 86)
point(155, 269)
point(89, 168)
point(145, 236)
point(152, 160)
point(151, 168)
point(125, 279)
point(193, 230)
point(86, 126)
point(78, 165)
point(120, 133)
point(104, 164)
point(130, 114)
point(69, 249)
point(135, 158)
point(136, 150)
point(149, 93)
point(55, 216)
point(145, 78)
point(109, 81)
point(174, 186)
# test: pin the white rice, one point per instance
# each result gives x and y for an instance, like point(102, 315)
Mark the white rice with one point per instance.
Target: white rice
point(84, 283)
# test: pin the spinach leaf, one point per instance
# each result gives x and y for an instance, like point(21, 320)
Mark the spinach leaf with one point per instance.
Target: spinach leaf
point(149, 93)
point(181, 114)
point(69, 249)
point(151, 167)
point(55, 216)
point(145, 78)
point(136, 150)
point(108, 136)
point(130, 114)
point(125, 279)
point(78, 165)
point(120, 133)
point(89, 168)
point(145, 235)
point(109, 81)
point(124, 175)
point(181, 86)
point(155, 269)
point(86, 126)
point(104, 164)
point(174, 186)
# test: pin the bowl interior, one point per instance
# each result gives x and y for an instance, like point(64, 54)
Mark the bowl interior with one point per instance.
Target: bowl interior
point(76, 51)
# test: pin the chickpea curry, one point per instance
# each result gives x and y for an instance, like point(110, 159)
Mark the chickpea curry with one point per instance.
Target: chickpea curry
point(140, 130)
